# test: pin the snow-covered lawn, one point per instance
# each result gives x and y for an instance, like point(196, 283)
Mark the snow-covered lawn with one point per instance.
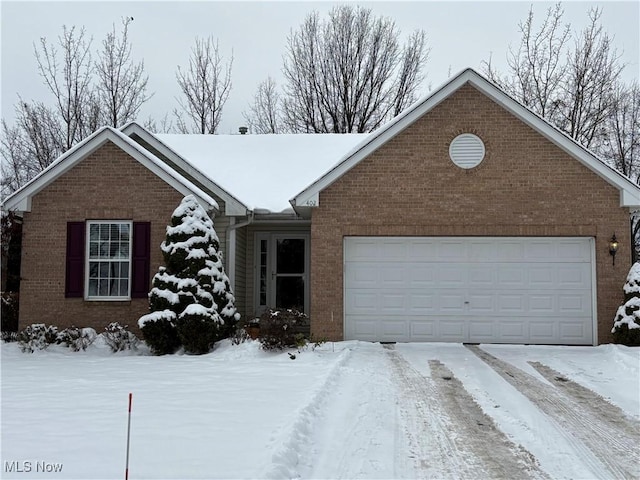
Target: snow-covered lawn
point(343, 410)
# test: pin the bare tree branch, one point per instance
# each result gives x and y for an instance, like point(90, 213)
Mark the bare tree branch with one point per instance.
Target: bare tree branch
point(205, 86)
point(592, 73)
point(621, 146)
point(122, 85)
point(264, 112)
point(69, 80)
point(349, 73)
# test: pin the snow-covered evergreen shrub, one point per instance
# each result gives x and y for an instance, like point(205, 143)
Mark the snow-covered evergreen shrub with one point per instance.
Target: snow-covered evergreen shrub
point(626, 325)
point(191, 303)
point(77, 338)
point(281, 329)
point(37, 336)
point(8, 337)
point(118, 338)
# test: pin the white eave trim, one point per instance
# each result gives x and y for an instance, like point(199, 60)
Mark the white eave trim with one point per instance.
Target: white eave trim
point(629, 191)
point(21, 199)
point(233, 206)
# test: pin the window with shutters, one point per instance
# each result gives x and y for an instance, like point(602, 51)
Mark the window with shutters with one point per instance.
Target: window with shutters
point(108, 260)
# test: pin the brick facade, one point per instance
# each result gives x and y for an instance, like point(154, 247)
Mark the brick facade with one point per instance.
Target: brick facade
point(526, 186)
point(107, 185)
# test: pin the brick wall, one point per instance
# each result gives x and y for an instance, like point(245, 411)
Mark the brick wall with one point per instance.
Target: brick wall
point(525, 186)
point(107, 185)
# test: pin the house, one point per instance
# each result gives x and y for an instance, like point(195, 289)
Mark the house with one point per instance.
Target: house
point(467, 218)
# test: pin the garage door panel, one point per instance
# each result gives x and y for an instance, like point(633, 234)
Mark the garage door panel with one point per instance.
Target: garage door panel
point(480, 276)
point(481, 303)
point(482, 330)
point(423, 330)
point(452, 329)
point(421, 275)
point(512, 331)
point(511, 276)
point(476, 289)
point(422, 303)
point(574, 330)
point(361, 302)
point(574, 304)
point(452, 275)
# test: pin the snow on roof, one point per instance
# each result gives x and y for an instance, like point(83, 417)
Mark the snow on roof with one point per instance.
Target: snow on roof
point(263, 171)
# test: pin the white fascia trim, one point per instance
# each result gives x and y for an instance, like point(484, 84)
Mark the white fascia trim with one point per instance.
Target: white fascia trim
point(629, 192)
point(233, 206)
point(21, 199)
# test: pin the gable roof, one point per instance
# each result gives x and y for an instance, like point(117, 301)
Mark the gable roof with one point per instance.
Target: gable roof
point(20, 200)
point(310, 196)
point(263, 171)
point(232, 205)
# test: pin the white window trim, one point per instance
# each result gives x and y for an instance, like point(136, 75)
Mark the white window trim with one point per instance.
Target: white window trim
point(88, 224)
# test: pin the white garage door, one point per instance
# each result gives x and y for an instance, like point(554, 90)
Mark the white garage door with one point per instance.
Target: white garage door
point(469, 289)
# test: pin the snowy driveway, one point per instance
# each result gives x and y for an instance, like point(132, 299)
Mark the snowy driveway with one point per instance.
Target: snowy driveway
point(344, 410)
point(450, 411)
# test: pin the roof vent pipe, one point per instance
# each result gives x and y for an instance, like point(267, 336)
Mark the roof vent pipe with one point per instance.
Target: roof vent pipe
point(243, 130)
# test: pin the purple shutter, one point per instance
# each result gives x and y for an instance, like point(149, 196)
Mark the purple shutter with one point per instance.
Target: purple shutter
point(140, 261)
point(74, 279)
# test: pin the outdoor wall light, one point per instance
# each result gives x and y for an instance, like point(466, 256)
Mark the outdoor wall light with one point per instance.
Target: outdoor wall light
point(613, 247)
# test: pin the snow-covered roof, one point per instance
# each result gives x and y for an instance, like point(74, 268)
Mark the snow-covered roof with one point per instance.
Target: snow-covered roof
point(263, 171)
point(629, 191)
point(20, 200)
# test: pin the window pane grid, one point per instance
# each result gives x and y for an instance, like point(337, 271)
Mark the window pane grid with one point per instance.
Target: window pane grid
point(109, 254)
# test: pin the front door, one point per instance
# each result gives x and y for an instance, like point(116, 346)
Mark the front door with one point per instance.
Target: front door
point(289, 272)
point(283, 273)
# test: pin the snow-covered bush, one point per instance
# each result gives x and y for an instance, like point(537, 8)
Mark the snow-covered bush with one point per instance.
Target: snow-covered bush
point(118, 338)
point(77, 338)
point(190, 303)
point(37, 336)
point(8, 337)
point(626, 325)
point(280, 329)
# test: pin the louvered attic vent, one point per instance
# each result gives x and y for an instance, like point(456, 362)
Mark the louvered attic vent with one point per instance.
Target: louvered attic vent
point(466, 150)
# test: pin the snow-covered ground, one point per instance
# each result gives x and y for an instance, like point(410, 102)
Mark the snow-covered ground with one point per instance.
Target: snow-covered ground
point(344, 410)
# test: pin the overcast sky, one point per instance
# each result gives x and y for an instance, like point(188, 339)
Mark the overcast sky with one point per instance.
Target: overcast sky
point(460, 35)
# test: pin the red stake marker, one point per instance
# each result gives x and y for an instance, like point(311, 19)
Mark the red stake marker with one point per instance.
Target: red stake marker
point(126, 470)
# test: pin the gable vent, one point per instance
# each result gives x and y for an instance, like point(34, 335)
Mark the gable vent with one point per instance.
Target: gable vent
point(466, 150)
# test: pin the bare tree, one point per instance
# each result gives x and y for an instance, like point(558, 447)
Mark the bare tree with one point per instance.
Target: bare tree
point(593, 71)
point(85, 95)
point(29, 146)
point(205, 86)
point(68, 77)
point(122, 84)
point(621, 145)
point(349, 73)
point(572, 86)
point(264, 112)
point(537, 69)
point(164, 126)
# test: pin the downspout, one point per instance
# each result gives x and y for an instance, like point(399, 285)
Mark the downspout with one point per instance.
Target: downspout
point(231, 247)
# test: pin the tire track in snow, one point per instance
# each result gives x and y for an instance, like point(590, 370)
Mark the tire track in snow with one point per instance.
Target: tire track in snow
point(588, 425)
point(448, 434)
